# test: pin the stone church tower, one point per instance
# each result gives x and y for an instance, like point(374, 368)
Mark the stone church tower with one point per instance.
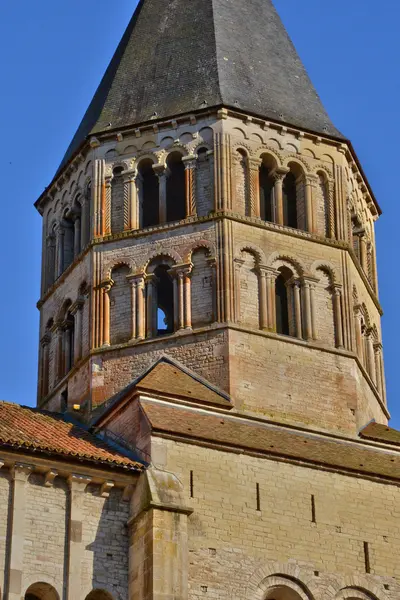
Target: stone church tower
point(211, 419)
point(207, 209)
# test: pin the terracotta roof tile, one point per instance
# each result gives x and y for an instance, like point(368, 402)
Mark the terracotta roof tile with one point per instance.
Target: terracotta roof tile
point(35, 430)
point(275, 440)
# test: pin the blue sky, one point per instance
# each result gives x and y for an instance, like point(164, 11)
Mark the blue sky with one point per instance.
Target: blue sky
point(53, 56)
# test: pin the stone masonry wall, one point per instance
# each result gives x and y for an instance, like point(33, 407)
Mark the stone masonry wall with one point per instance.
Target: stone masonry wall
point(233, 545)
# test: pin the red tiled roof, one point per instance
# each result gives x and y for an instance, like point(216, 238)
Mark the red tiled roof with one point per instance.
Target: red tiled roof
point(40, 431)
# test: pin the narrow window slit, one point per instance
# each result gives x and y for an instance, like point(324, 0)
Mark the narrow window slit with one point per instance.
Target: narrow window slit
point(258, 496)
point(313, 511)
point(191, 485)
point(367, 558)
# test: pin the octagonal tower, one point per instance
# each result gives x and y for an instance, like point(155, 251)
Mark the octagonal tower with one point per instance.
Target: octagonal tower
point(207, 209)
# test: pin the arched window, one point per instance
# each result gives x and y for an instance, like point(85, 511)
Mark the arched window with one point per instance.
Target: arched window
point(290, 200)
point(69, 341)
point(68, 240)
point(266, 193)
point(164, 300)
point(76, 217)
point(117, 201)
point(51, 258)
point(45, 360)
point(86, 215)
point(176, 188)
point(322, 205)
point(150, 203)
point(41, 591)
point(282, 302)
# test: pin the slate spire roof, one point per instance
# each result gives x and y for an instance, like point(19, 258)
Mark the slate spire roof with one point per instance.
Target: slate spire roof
point(178, 56)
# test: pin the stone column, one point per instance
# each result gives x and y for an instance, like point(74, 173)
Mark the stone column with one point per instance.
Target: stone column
point(262, 283)
point(271, 299)
point(309, 182)
point(50, 262)
point(254, 165)
point(188, 298)
point(371, 355)
point(133, 281)
point(106, 288)
point(140, 314)
point(67, 348)
point(307, 310)
point(131, 208)
point(181, 302)
point(60, 250)
point(297, 308)
point(107, 205)
point(337, 311)
point(151, 308)
point(363, 253)
point(44, 365)
point(20, 474)
point(98, 196)
point(139, 200)
point(359, 336)
point(223, 172)
point(162, 173)
point(190, 181)
point(380, 378)
point(278, 176)
point(77, 486)
point(331, 209)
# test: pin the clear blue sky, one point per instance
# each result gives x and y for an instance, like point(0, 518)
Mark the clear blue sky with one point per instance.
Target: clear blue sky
point(53, 54)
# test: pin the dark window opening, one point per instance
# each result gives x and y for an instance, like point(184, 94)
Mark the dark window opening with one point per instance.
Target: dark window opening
point(176, 188)
point(165, 301)
point(290, 200)
point(282, 306)
point(266, 194)
point(69, 342)
point(150, 198)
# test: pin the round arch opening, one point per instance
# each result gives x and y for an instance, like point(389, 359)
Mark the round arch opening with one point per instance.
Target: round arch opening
point(99, 595)
point(282, 592)
point(41, 591)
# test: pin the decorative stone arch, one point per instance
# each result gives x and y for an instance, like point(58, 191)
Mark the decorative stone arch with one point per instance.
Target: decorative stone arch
point(324, 170)
point(275, 574)
point(265, 151)
point(142, 156)
point(240, 146)
point(295, 159)
point(257, 252)
point(170, 255)
point(237, 131)
point(71, 186)
point(360, 584)
point(325, 266)
point(201, 244)
point(176, 148)
point(43, 584)
point(365, 313)
point(120, 164)
point(199, 144)
point(64, 200)
point(276, 258)
point(117, 265)
point(63, 309)
point(87, 167)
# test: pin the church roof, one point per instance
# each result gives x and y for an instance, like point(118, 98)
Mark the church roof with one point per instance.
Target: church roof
point(231, 431)
point(180, 57)
point(33, 430)
point(168, 378)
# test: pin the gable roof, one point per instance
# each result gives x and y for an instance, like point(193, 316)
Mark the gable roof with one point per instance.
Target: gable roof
point(168, 378)
point(178, 57)
point(230, 431)
point(33, 430)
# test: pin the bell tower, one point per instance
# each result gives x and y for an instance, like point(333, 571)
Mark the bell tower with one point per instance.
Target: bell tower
point(207, 209)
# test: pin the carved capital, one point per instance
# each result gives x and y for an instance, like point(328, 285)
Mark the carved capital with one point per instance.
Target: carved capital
point(279, 173)
point(189, 161)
